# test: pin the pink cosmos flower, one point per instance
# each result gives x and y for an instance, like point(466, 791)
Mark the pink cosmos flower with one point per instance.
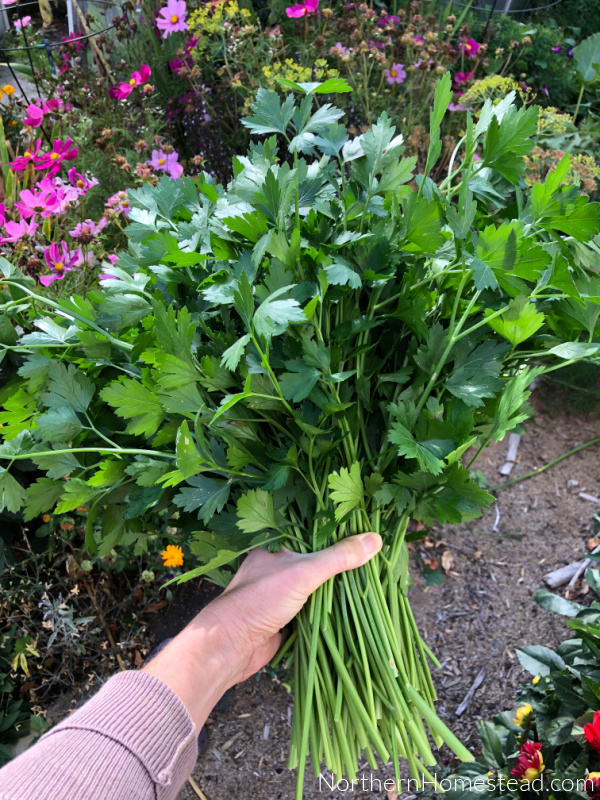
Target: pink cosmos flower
point(43, 202)
point(117, 203)
point(60, 261)
point(164, 162)
point(456, 107)
point(120, 91)
point(85, 259)
point(2, 213)
point(88, 230)
point(302, 9)
point(18, 230)
point(470, 47)
point(61, 151)
point(20, 163)
point(462, 77)
point(22, 23)
point(395, 74)
point(83, 183)
point(171, 18)
point(67, 196)
point(35, 116)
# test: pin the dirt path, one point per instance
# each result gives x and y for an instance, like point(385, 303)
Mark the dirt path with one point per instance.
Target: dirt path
point(475, 620)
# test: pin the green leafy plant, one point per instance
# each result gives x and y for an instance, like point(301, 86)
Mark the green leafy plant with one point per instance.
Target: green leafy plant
point(553, 710)
point(587, 61)
point(16, 719)
point(304, 355)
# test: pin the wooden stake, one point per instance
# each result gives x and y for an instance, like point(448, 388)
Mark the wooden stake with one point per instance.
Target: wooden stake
point(196, 788)
point(97, 50)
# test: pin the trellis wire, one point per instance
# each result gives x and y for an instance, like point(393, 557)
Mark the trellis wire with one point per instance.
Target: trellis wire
point(57, 44)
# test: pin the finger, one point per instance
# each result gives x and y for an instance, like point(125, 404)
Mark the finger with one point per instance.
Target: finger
point(350, 553)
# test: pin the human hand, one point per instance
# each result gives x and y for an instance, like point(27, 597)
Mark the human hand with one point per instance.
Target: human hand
point(239, 632)
point(269, 590)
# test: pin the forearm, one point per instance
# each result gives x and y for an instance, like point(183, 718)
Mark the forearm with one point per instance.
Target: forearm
point(134, 740)
point(197, 667)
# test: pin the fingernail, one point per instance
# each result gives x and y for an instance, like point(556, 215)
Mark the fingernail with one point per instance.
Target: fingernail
point(371, 543)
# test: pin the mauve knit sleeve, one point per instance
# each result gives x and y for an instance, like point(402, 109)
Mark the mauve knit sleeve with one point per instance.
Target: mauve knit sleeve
point(134, 740)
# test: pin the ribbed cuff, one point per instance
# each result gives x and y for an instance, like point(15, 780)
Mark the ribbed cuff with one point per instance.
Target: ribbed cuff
point(144, 715)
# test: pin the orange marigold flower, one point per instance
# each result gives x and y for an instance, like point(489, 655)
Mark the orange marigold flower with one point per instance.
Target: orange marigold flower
point(172, 556)
point(46, 517)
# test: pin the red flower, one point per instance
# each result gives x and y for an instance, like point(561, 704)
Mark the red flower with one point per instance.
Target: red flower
point(592, 732)
point(529, 764)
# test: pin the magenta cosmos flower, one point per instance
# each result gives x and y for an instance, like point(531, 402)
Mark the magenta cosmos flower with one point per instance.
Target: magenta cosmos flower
point(18, 230)
point(395, 74)
point(35, 116)
point(83, 183)
point(61, 151)
point(60, 261)
point(163, 162)
point(23, 22)
point(43, 202)
point(171, 18)
point(20, 163)
point(120, 91)
point(470, 47)
point(462, 77)
point(302, 9)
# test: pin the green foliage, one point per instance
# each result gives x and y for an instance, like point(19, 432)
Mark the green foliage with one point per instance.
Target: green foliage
point(307, 354)
point(564, 695)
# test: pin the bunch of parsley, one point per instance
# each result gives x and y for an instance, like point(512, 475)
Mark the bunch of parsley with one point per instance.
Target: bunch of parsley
point(321, 348)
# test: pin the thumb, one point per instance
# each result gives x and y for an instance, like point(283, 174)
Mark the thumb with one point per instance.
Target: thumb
point(349, 553)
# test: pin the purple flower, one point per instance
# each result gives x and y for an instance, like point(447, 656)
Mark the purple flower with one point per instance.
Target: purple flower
point(395, 74)
point(570, 52)
point(557, 48)
point(545, 90)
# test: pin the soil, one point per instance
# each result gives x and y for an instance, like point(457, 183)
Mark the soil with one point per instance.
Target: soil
point(476, 620)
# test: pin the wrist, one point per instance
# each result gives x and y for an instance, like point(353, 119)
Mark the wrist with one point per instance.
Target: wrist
point(196, 666)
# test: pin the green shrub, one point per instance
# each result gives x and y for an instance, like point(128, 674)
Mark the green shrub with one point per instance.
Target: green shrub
point(554, 709)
